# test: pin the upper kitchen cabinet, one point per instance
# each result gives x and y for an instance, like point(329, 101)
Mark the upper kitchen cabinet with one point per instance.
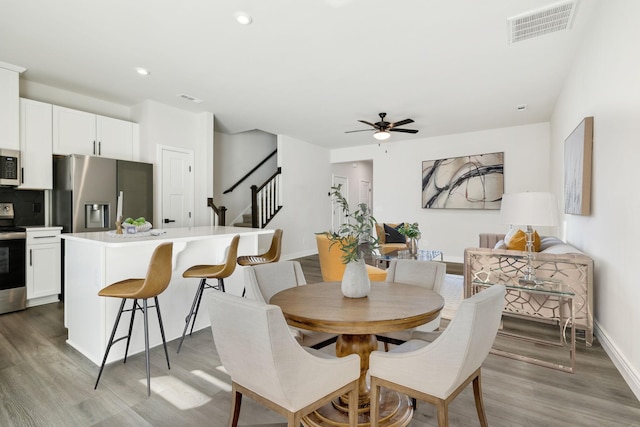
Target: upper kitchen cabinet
point(9, 107)
point(36, 144)
point(78, 132)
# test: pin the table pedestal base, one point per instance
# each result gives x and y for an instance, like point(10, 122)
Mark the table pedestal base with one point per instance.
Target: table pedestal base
point(395, 411)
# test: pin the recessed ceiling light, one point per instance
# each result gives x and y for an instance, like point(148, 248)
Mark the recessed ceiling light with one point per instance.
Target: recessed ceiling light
point(142, 71)
point(243, 18)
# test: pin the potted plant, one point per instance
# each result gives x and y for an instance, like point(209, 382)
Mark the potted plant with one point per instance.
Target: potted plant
point(356, 240)
point(412, 233)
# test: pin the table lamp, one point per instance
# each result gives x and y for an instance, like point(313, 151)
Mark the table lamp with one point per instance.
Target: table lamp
point(530, 209)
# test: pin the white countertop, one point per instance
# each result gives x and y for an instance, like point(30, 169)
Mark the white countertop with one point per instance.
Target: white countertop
point(42, 228)
point(106, 238)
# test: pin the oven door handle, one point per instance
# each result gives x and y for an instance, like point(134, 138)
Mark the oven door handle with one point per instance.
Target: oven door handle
point(13, 235)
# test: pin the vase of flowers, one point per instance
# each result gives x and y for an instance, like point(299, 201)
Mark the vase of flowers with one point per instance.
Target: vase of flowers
point(412, 233)
point(356, 240)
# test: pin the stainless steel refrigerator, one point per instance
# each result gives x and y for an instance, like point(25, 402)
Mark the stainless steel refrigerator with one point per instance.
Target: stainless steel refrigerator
point(86, 188)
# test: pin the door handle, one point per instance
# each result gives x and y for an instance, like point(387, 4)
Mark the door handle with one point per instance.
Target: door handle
point(167, 220)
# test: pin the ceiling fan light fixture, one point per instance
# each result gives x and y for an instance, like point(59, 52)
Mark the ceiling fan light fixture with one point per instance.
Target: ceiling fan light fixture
point(381, 135)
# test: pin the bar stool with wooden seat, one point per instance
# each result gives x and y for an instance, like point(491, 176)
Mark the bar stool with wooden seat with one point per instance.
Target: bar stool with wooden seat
point(156, 281)
point(272, 255)
point(204, 272)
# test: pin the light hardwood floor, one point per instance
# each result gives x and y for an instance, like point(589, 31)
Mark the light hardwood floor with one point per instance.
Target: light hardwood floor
point(44, 382)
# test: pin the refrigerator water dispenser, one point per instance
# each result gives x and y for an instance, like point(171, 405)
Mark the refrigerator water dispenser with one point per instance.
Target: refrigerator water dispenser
point(96, 215)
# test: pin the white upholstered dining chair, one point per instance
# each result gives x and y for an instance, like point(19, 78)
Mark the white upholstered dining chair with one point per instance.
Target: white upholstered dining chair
point(428, 274)
point(267, 364)
point(265, 280)
point(437, 372)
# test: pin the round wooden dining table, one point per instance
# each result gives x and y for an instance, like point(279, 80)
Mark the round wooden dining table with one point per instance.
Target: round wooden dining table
point(388, 307)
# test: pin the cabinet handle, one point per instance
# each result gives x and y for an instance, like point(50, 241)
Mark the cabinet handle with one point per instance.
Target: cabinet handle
point(99, 148)
point(30, 257)
point(94, 148)
point(22, 175)
point(43, 237)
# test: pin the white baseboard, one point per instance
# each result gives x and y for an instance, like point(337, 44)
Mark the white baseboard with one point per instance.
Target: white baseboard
point(628, 373)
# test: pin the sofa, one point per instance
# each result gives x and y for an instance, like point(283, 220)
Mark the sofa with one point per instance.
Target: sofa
point(388, 240)
point(556, 260)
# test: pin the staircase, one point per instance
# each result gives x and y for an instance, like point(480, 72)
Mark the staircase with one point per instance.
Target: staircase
point(246, 221)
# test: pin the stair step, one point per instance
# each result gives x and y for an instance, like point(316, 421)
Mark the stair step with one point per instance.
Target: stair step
point(242, 224)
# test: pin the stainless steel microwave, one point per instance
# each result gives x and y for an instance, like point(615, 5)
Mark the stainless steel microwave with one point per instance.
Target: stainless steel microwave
point(9, 167)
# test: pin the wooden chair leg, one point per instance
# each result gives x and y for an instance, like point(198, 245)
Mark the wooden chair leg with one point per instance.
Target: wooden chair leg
point(353, 405)
point(477, 394)
point(374, 406)
point(443, 414)
point(236, 402)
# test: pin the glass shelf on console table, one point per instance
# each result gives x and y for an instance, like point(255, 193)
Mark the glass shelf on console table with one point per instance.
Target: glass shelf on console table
point(546, 292)
point(422, 255)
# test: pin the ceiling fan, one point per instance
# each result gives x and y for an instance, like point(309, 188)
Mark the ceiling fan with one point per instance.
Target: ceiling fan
point(382, 128)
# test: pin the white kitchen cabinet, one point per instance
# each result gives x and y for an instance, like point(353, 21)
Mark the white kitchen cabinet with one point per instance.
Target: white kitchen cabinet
point(43, 265)
point(36, 128)
point(79, 132)
point(9, 109)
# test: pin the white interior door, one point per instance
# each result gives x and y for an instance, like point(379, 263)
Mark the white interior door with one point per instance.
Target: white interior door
point(364, 193)
point(338, 216)
point(177, 188)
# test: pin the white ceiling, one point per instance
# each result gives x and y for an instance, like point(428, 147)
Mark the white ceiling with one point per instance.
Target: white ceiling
point(304, 68)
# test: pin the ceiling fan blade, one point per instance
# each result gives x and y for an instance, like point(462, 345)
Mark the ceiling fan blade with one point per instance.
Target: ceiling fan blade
point(367, 123)
point(401, 123)
point(360, 130)
point(403, 130)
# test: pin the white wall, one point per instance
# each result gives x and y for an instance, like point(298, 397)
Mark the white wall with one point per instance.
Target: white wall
point(163, 125)
point(235, 156)
point(306, 181)
point(604, 83)
point(64, 98)
point(397, 176)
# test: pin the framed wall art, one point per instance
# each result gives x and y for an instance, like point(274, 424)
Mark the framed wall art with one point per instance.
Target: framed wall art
point(467, 182)
point(577, 169)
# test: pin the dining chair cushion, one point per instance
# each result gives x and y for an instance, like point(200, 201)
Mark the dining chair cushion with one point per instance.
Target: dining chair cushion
point(265, 280)
point(440, 367)
point(259, 353)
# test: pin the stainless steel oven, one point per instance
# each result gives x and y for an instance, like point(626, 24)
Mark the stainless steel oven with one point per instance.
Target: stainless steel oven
point(13, 290)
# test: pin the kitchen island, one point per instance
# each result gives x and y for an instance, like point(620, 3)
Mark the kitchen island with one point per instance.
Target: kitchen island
point(95, 260)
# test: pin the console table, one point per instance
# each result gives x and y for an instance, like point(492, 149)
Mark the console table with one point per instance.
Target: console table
point(549, 291)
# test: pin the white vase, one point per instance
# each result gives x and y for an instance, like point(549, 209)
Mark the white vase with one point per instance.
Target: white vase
point(355, 282)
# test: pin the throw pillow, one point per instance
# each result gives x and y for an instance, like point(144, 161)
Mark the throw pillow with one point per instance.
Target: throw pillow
point(392, 235)
point(519, 241)
point(500, 245)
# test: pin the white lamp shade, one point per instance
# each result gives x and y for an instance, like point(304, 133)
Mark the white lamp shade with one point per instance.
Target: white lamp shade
point(529, 208)
point(381, 135)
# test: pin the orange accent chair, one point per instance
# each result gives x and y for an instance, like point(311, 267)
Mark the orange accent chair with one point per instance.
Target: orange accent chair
point(331, 264)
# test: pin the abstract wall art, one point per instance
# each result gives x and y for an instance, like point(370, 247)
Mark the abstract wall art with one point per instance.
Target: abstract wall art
point(467, 182)
point(577, 169)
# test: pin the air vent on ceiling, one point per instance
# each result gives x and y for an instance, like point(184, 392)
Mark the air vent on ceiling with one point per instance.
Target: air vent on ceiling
point(556, 17)
point(190, 98)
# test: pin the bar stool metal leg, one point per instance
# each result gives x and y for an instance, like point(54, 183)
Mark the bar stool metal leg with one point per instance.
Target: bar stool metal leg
point(146, 345)
point(164, 341)
point(195, 307)
point(111, 341)
point(133, 316)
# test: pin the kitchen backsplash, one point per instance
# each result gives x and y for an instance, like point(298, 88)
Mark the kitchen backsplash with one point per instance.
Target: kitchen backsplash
point(28, 205)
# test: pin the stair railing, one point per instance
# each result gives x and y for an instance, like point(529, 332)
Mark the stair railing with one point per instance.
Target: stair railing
point(220, 212)
point(255, 168)
point(265, 201)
